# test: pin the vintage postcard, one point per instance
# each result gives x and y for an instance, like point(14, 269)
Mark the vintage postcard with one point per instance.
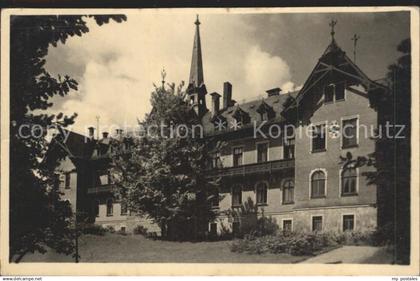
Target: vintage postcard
point(278, 141)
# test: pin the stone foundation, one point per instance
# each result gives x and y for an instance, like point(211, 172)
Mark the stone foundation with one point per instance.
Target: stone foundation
point(365, 218)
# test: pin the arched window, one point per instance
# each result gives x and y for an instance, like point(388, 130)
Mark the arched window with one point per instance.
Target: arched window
point(236, 195)
point(96, 208)
point(318, 184)
point(109, 207)
point(349, 181)
point(261, 193)
point(288, 192)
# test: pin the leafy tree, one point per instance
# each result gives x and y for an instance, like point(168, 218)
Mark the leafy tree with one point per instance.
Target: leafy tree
point(163, 177)
point(37, 216)
point(391, 158)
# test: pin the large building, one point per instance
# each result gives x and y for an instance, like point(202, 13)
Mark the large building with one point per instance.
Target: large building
point(296, 177)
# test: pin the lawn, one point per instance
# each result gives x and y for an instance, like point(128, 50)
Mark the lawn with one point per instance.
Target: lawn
point(136, 248)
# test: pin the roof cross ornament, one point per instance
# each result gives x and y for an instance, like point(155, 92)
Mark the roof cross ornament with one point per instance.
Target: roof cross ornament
point(332, 25)
point(354, 39)
point(163, 75)
point(197, 21)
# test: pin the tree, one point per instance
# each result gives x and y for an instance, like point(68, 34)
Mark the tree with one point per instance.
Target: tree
point(38, 217)
point(163, 177)
point(391, 158)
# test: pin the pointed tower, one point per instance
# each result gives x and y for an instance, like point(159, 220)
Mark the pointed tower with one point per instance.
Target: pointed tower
point(196, 88)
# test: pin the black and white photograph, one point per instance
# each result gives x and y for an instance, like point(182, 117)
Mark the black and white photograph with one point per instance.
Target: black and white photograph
point(210, 136)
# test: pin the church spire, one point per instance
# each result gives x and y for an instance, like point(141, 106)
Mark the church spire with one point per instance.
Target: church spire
point(196, 72)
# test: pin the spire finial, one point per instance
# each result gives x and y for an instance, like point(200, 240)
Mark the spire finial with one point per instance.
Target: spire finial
point(163, 75)
point(196, 72)
point(332, 25)
point(354, 39)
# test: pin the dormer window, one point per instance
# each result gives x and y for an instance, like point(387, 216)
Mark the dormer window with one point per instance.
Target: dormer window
point(334, 92)
point(241, 117)
point(266, 112)
point(264, 116)
point(219, 123)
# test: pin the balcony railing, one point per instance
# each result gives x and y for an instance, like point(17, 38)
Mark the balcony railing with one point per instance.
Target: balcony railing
point(256, 168)
point(100, 189)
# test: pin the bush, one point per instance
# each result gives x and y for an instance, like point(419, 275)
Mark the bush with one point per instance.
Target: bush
point(93, 229)
point(140, 230)
point(298, 244)
point(265, 226)
point(110, 229)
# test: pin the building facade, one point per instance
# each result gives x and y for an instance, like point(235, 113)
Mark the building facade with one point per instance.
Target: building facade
point(283, 153)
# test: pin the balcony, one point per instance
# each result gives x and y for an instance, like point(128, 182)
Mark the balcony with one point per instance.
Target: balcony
point(100, 189)
point(256, 168)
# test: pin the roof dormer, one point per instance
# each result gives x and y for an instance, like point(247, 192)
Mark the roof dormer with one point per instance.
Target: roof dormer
point(266, 112)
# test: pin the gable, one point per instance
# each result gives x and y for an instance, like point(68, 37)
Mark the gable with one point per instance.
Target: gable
point(335, 66)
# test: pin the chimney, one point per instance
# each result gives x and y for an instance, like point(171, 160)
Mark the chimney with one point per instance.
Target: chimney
point(227, 95)
point(105, 135)
point(119, 132)
point(273, 92)
point(215, 103)
point(91, 132)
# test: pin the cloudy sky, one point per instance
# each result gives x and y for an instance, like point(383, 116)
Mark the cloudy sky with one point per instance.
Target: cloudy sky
point(116, 64)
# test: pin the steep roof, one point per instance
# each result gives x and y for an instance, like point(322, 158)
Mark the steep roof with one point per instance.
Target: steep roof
point(75, 145)
point(334, 59)
point(196, 72)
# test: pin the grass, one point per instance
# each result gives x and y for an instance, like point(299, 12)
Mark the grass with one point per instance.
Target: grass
point(136, 248)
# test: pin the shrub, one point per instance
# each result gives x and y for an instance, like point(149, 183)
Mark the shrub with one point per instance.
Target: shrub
point(297, 244)
point(110, 229)
point(93, 229)
point(140, 230)
point(266, 226)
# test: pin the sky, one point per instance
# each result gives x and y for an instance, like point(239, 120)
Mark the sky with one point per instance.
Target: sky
point(116, 64)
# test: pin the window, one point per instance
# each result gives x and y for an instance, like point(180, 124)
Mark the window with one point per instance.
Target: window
point(287, 225)
point(329, 93)
point(216, 161)
point(349, 181)
point(318, 184)
point(237, 156)
point(213, 229)
point(349, 133)
point(109, 208)
point(334, 92)
point(262, 152)
point(289, 148)
point(317, 223)
point(339, 91)
point(61, 180)
point(96, 208)
point(104, 179)
point(124, 209)
point(348, 222)
point(318, 138)
point(215, 200)
point(236, 195)
point(264, 116)
point(261, 193)
point(67, 181)
point(288, 190)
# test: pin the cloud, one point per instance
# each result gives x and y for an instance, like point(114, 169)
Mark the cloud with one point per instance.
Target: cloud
point(117, 64)
point(264, 71)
